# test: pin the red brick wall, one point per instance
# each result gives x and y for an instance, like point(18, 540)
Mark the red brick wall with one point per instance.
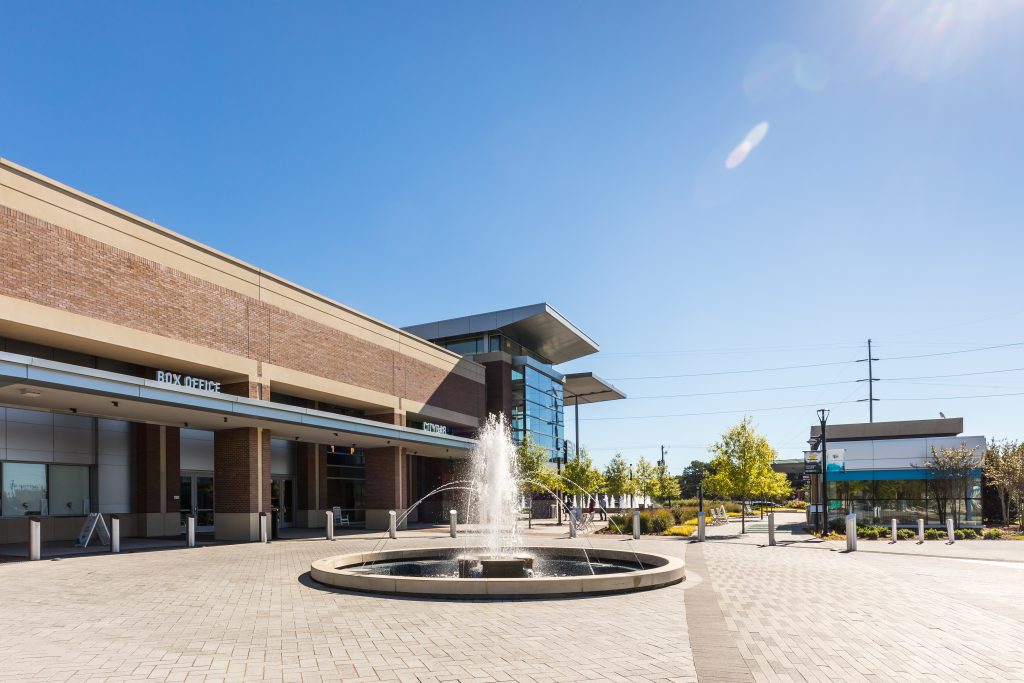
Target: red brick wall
point(147, 468)
point(382, 490)
point(53, 266)
point(235, 485)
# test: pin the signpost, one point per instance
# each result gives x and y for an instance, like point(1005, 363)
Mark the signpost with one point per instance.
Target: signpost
point(93, 524)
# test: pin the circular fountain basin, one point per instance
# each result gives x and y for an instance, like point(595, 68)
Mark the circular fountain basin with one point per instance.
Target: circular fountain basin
point(433, 572)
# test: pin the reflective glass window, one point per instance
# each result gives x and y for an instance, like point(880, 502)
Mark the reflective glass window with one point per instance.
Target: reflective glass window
point(69, 490)
point(24, 491)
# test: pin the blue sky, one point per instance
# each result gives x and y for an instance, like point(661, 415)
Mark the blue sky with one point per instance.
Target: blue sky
point(425, 160)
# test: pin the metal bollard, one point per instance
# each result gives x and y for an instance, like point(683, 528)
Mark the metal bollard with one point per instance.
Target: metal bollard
point(115, 534)
point(894, 530)
point(34, 539)
point(702, 526)
point(949, 530)
point(572, 525)
point(920, 530)
point(636, 524)
point(392, 524)
point(190, 533)
point(851, 532)
point(453, 522)
point(330, 525)
point(771, 528)
point(264, 537)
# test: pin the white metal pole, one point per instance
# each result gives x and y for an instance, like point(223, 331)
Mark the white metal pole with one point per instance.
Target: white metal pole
point(949, 530)
point(572, 525)
point(636, 524)
point(115, 534)
point(34, 539)
point(701, 526)
point(771, 528)
point(453, 522)
point(851, 532)
point(190, 537)
point(264, 538)
point(920, 530)
point(893, 529)
point(392, 520)
point(330, 524)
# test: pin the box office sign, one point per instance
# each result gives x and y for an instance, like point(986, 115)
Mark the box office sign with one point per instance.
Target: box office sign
point(180, 380)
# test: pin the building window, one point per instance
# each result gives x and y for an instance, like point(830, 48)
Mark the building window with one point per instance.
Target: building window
point(537, 409)
point(465, 347)
point(24, 491)
point(69, 490)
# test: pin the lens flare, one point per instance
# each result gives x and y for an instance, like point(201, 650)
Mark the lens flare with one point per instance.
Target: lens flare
point(739, 153)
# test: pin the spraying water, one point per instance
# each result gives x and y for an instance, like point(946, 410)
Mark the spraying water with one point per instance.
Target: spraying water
point(496, 476)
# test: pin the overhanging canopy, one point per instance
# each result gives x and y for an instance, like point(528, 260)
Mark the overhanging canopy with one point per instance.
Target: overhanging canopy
point(38, 384)
point(586, 387)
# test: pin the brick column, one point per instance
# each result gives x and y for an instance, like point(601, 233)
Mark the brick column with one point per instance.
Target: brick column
point(311, 493)
point(157, 479)
point(241, 482)
point(386, 478)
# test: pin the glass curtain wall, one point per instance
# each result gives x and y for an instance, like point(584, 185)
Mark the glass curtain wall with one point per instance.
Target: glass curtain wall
point(346, 477)
point(537, 409)
point(906, 500)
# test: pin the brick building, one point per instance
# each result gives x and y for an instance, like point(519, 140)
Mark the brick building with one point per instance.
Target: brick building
point(147, 375)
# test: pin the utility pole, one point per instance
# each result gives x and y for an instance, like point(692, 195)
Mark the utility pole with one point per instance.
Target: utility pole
point(871, 384)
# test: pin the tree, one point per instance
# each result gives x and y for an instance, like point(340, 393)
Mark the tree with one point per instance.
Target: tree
point(581, 471)
point(772, 486)
point(997, 458)
point(645, 478)
point(668, 486)
point(534, 469)
point(951, 470)
point(1004, 469)
point(616, 477)
point(741, 459)
point(690, 479)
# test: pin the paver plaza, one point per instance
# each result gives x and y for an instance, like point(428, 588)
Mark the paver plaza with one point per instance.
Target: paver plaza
point(799, 611)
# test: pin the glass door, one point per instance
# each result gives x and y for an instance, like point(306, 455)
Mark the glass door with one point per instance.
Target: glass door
point(197, 499)
point(282, 498)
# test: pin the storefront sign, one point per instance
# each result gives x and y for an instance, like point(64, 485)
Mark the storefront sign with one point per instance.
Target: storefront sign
point(435, 428)
point(180, 380)
point(836, 460)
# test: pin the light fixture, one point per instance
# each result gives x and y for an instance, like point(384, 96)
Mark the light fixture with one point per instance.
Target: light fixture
point(114, 403)
point(225, 419)
point(823, 414)
point(186, 424)
point(73, 410)
point(31, 393)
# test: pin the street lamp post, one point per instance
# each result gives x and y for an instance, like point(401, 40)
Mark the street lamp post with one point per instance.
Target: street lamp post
point(823, 418)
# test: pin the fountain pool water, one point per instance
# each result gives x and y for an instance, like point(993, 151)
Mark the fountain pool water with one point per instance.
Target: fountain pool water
point(500, 565)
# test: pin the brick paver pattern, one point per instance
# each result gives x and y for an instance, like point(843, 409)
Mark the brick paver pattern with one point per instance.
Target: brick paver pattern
point(249, 612)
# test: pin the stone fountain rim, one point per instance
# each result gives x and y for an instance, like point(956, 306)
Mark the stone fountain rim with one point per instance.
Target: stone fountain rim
point(336, 571)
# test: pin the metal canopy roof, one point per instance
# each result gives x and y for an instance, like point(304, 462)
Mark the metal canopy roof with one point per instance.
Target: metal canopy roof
point(586, 387)
point(539, 328)
point(37, 384)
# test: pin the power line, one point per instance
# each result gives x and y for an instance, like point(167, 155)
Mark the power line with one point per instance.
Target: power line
point(951, 353)
point(735, 372)
point(743, 391)
point(955, 374)
point(805, 405)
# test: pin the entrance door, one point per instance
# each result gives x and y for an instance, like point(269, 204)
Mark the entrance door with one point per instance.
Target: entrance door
point(282, 498)
point(197, 499)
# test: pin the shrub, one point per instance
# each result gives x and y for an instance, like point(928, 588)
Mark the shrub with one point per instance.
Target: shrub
point(657, 521)
point(992, 534)
point(868, 533)
point(837, 526)
point(905, 534)
point(797, 505)
point(682, 530)
point(934, 534)
point(962, 534)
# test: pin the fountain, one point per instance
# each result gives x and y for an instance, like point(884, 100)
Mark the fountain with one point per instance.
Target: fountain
point(500, 566)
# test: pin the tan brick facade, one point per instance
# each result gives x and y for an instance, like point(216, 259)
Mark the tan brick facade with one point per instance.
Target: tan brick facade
point(59, 268)
point(242, 468)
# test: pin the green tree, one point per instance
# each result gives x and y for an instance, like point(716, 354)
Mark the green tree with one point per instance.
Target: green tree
point(772, 486)
point(645, 478)
point(1002, 460)
point(689, 480)
point(742, 458)
point(951, 471)
point(535, 472)
point(668, 485)
point(616, 477)
point(581, 470)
